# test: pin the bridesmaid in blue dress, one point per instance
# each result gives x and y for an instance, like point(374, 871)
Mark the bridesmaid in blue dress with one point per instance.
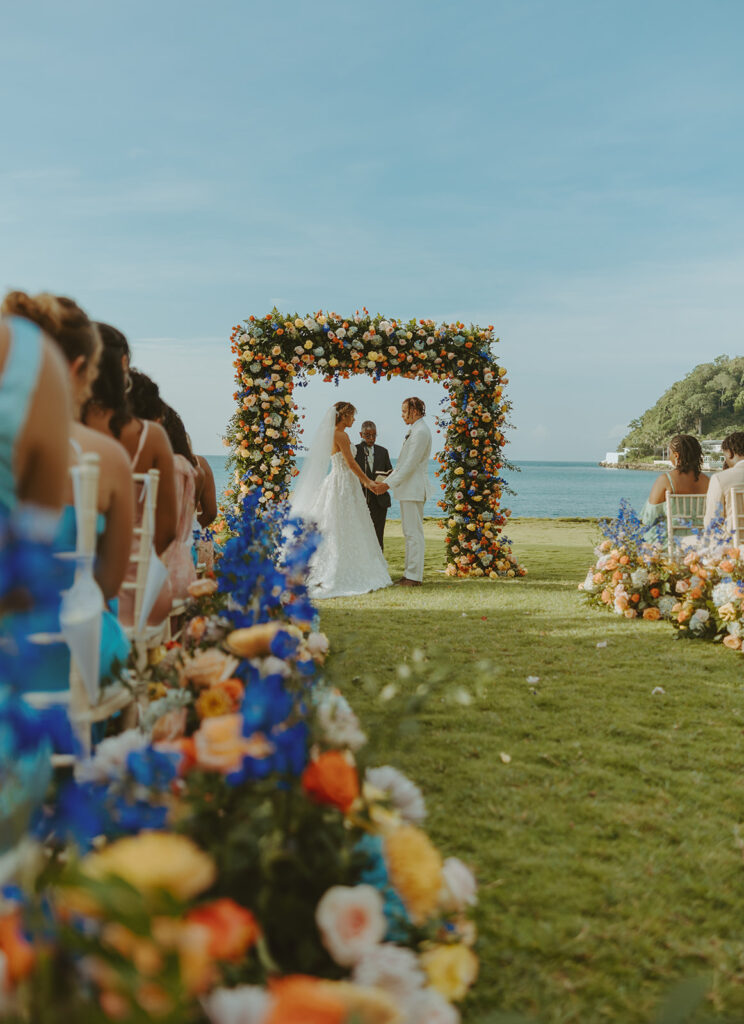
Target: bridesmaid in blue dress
point(34, 422)
point(685, 477)
point(66, 324)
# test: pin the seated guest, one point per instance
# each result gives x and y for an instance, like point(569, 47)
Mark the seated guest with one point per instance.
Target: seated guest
point(144, 397)
point(721, 483)
point(35, 419)
point(189, 480)
point(64, 322)
point(685, 477)
point(206, 513)
point(147, 447)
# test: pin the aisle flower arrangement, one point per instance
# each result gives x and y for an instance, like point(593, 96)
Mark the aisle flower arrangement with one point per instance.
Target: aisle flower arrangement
point(700, 591)
point(278, 352)
point(237, 856)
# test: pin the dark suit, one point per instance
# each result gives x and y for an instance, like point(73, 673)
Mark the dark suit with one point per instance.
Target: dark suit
point(378, 504)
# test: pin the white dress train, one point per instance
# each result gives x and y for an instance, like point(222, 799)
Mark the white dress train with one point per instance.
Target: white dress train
point(349, 560)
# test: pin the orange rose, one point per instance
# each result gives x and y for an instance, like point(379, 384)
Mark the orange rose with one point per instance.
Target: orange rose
point(652, 614)
point(232, 928)
point(233, 688)
point(18, 951)
point(331, 779)
point(655, 591)
point(726, 566)
point(299, 999)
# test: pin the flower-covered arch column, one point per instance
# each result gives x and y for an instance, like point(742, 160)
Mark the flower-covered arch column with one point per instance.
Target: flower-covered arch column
point(276, 353)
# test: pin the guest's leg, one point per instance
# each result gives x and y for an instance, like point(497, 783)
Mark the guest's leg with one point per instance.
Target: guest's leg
point(412, 521)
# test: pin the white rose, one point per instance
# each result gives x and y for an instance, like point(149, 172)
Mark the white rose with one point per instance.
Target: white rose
point(110, 759)
point(430, 1007)
point(392, 968)
point(351, 922)
point(317, 644)
point(458, 886)
point(404, 794)
point(246, 1004)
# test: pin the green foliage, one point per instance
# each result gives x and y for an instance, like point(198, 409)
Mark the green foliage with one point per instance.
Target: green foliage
point(708, 402)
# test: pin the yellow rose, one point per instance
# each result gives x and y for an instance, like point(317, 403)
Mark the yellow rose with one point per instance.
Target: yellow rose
point(155, 860)
point(308, 344)
point(451, 970)
point(415, 870)
point(299, 323)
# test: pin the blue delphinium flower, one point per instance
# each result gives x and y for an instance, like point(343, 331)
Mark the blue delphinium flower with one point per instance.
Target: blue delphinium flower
point(375, 873)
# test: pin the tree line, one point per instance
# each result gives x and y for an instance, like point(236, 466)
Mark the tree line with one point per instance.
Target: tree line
point(708, 402)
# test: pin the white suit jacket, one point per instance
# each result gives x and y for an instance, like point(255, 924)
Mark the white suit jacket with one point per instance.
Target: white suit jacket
point(409, 481)
point(718, 488)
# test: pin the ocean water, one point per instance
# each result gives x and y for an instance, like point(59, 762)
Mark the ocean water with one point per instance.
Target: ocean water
point(546, 490)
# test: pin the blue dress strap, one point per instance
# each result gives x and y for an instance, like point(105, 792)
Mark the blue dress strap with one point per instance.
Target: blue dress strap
point(17, 385)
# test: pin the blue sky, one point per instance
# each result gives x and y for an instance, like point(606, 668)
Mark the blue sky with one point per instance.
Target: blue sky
point(568, 171)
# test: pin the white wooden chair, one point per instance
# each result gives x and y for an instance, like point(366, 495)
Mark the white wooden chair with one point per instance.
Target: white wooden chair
point(82, 711)
point(142, 636)
point(734, 504)
point(685, 513)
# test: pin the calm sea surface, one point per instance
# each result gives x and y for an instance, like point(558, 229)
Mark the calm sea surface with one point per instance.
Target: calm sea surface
point(547, 490)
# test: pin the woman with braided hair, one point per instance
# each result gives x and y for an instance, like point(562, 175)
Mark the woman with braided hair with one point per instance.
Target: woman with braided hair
point(685, 477)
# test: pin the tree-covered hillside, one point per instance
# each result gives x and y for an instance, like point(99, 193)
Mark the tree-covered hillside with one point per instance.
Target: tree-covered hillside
point(708, 402)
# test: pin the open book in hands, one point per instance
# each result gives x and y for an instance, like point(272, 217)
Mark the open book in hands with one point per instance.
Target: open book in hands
point(381, 474)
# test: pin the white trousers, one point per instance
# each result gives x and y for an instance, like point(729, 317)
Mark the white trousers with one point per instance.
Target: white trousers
point(412, 521)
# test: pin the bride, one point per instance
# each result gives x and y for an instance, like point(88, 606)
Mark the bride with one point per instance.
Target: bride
point(349, 560)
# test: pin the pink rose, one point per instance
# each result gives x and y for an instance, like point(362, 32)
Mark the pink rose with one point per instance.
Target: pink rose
point(351, 921)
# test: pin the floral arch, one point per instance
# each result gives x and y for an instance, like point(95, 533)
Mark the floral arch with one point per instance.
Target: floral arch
point(278, 352)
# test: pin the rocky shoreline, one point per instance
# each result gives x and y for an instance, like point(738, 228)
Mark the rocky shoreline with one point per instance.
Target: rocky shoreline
point(649, 467)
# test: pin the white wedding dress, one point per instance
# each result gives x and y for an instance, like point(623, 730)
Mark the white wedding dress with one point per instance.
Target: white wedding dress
point(349, 560)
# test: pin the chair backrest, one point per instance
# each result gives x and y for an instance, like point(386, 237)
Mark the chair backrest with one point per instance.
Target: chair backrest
point(145, 535)
point(734, 503)
point(685, 513)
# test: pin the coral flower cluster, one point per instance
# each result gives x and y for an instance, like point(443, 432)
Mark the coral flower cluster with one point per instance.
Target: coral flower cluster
point(278, 352)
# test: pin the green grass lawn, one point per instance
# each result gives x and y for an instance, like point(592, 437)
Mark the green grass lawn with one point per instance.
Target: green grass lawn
point(607, 848)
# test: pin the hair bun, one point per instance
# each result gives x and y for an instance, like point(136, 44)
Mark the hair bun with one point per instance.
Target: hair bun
point(43, 309)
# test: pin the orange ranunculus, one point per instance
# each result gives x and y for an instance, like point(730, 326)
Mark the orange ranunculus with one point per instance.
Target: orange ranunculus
point(234, 690)
point(684, 615)
point(19, 954)
point(652, 614)
point(332, 779)
point(635, 598)
point(232, 928)
point(696, 593)
point(655, 591)
point(299, 999)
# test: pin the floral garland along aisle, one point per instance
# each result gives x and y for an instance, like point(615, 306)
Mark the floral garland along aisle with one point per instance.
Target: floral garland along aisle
point(236, 856)
point(278, 352)
point(699, 591)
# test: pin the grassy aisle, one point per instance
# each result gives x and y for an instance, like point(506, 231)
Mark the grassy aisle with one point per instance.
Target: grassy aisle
point(606, 848)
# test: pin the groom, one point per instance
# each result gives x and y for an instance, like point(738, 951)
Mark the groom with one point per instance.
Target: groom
point(409, 481)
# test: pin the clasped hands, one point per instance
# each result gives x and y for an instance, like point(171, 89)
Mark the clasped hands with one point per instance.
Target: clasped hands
point(378, 487)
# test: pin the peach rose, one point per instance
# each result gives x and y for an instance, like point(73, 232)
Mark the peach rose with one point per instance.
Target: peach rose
point(196, 628)
point(630, 613)
point(202, 588)
point(207, 668)
point(254, 641)
point(651, 614)
point(232, 928)
point(732, 642)
point(221, 746)
point(170, 726)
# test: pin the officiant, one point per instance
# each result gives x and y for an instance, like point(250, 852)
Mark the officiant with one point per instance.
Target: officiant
point(372, 459)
